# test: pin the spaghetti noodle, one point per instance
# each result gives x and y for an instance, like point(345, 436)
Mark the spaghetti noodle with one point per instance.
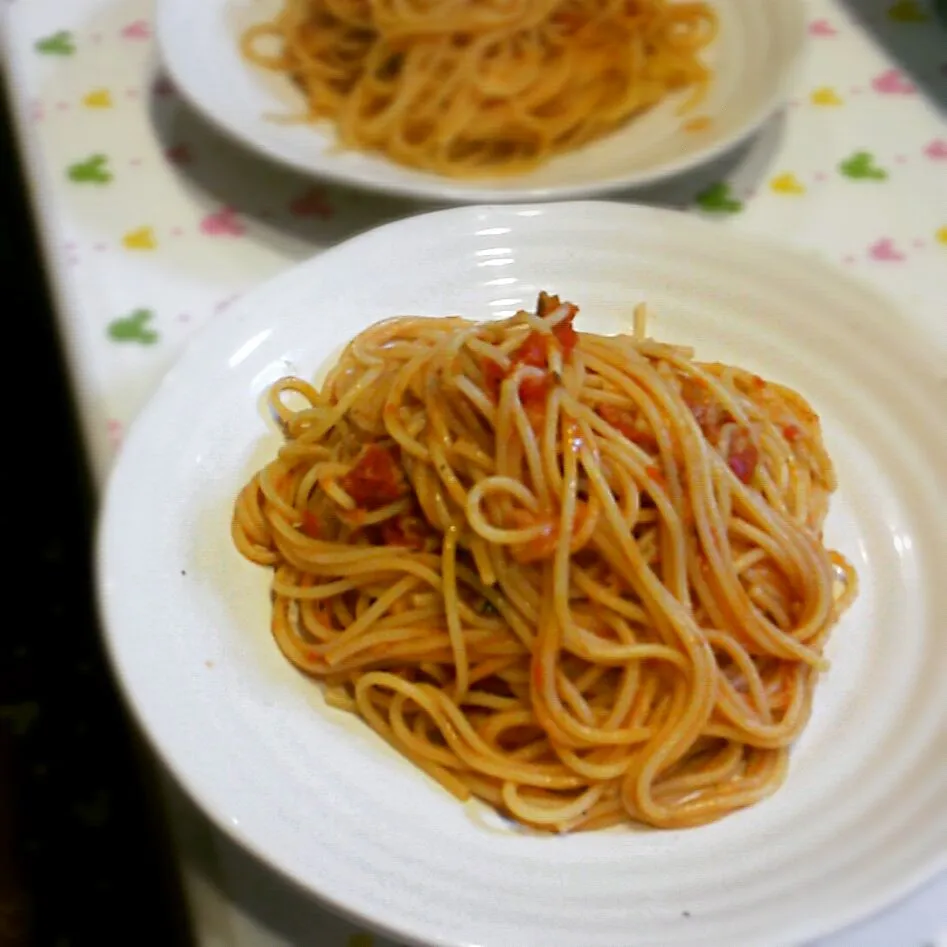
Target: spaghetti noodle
point(486, 88)
point(579, 577)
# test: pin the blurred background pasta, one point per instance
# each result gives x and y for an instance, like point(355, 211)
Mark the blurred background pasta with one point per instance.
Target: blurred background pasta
point(487, 88)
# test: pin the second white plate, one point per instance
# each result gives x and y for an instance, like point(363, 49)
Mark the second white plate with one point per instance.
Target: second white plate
point(754, 61)
point(315, 794)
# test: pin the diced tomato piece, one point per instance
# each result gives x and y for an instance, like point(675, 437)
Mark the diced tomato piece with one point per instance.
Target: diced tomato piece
point(624, 422)
point(568, 21)
point(743, 456)
point(402, 531)
point(792, 433)
point(375, 479)
point(547, 304)
point(533, 390)
point(707, 411)
point(618, 419)
point(532, 352)
point(565, 333)
point(310, 524)
point(493, 376)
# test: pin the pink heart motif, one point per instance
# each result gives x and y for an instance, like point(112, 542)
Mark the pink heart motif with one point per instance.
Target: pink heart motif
point(885, 251)
point(223, 223)
point(892, 83)
point(822, 28)
point(312, 203)
point(114, 429)
point(937, 150)
point(137, 30)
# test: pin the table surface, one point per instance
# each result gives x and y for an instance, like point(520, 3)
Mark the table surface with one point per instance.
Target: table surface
point(181, 221)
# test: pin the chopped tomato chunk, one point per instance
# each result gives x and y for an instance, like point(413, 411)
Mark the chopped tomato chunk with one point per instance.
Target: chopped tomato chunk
point(403, 531)
point(493, 376)
point(310, 524)
point(533, 390)
point(375, 479)
point(547, 304)
point(565, 332)
point(792, 433)
point(743, 456)
point(532, 351)
point(707, 411)
point(624, 421)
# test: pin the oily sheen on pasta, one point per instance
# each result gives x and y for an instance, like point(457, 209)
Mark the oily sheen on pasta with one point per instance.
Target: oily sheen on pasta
point(485, 88)
point(579, 577)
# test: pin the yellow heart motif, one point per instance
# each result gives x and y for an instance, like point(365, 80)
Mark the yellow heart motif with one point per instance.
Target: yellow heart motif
point(941, 235)
point(826, 96)
point(98, 99)
point(141, 239)
point(787, 184)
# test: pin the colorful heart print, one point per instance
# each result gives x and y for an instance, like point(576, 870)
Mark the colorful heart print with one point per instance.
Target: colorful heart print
point(719, 199)
point(861, 166)
point(937, 150)
point(826, 96)
point(223, 223)
point(822, 28)
point(885, 251)
point(141, 239)
point(134, 328)
point(907, 11)
point(941, 236)
point(892, 82)
point(139, 30)
point(94, 170)
point(59, 44)
point(787, 183)
point(98, 99)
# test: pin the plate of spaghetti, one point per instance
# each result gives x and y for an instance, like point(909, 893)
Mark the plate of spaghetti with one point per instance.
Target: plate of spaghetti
point(595, 602)
point(501, 100)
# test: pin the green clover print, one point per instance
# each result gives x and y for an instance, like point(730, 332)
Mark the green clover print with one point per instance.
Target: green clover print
point(93, 170)
point(719, 199)
point(861, 167)
point(134, 328)
point(59, 44)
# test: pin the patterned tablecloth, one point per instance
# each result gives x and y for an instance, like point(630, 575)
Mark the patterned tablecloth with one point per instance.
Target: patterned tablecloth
point(153, 223)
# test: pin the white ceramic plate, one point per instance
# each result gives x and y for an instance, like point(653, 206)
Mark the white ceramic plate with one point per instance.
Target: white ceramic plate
point(315, 794)
point(754, 60)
